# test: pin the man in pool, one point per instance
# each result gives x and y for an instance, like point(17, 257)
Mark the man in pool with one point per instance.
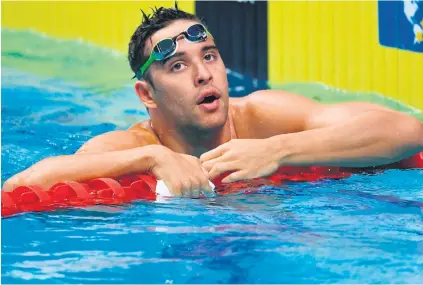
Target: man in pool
point(196, 132)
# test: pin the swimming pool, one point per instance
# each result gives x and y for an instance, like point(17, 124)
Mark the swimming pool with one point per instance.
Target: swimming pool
point(364, 229)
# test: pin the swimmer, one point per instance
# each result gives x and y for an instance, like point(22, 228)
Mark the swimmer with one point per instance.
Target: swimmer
point(196, 132)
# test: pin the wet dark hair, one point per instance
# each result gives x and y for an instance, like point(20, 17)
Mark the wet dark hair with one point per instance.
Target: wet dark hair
point(160, 18)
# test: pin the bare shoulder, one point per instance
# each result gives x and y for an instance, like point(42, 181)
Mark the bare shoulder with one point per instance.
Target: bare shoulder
point(266, 98)
point(266, 113)
point(262, 100)
point(136, 136)
point(273, 112)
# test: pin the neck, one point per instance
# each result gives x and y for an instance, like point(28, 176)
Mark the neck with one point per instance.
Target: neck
point(189, 139)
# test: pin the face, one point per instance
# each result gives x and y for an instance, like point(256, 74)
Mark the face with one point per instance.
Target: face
point(191, 87)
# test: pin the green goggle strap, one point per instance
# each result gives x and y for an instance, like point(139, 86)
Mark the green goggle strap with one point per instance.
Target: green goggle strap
point(153, 57)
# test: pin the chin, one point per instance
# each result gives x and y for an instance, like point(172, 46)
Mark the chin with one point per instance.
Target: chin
point(213, 121)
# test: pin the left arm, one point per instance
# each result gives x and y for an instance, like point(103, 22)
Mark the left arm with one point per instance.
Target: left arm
point(294, 130)
point(352, 135)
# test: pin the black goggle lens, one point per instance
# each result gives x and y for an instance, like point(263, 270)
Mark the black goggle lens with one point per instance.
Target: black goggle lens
point(196, 32)
point(165, 47)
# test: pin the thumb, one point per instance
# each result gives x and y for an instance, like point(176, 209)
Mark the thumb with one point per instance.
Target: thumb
point(205, 171)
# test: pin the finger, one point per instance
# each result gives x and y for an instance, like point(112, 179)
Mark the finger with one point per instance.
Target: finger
point(195, 193)
point(220, 168)
point(208, 165)
point(186, 189)
point(235, 176)
point(175, 187)
point(205, 186)
point(220, 150)
point(208, 191)
point(186, 193)
point(205, 171)
point(195, 187)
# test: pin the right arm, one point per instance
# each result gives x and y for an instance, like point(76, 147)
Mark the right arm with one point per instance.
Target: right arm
point(111, 155)
point(116, 154)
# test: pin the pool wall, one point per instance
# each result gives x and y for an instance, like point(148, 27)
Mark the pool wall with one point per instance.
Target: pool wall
point(359, 46)
point(341, 44)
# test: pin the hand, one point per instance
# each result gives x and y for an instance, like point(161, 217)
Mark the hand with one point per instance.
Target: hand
point(182, 174)
point(246, 158)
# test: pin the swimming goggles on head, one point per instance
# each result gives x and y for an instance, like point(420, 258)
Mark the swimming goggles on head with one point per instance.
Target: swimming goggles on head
point(168, 46)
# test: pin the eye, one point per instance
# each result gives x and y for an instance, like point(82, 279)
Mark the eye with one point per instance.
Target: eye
point(209, 57)
point(177, 66)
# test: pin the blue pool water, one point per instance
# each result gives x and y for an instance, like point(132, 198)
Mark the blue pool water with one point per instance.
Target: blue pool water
point(365, 229)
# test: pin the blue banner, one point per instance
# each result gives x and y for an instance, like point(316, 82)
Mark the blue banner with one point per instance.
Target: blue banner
point(401, 24)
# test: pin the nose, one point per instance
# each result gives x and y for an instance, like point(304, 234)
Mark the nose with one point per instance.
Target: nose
point(203, 75)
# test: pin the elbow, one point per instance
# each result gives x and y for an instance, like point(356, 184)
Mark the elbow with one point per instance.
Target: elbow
point(14, 182)
point(411, 134)
point(9, 184)
point(35, 175)
point(420, 137)
point(21, 179)
point(417, 135)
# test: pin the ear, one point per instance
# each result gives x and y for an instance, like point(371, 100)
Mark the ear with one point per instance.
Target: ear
point(145, 93)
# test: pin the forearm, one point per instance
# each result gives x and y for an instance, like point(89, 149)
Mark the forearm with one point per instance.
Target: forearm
point(373, 138)
point(83, 167)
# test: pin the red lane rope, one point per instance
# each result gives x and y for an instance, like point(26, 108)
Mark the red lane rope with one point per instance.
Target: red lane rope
point(143, 187)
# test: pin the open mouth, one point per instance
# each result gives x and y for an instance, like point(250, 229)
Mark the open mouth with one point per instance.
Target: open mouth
point(209, 99)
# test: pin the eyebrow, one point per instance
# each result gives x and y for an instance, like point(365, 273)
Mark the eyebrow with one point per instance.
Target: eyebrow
point(178, 54)
point(207, 48)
